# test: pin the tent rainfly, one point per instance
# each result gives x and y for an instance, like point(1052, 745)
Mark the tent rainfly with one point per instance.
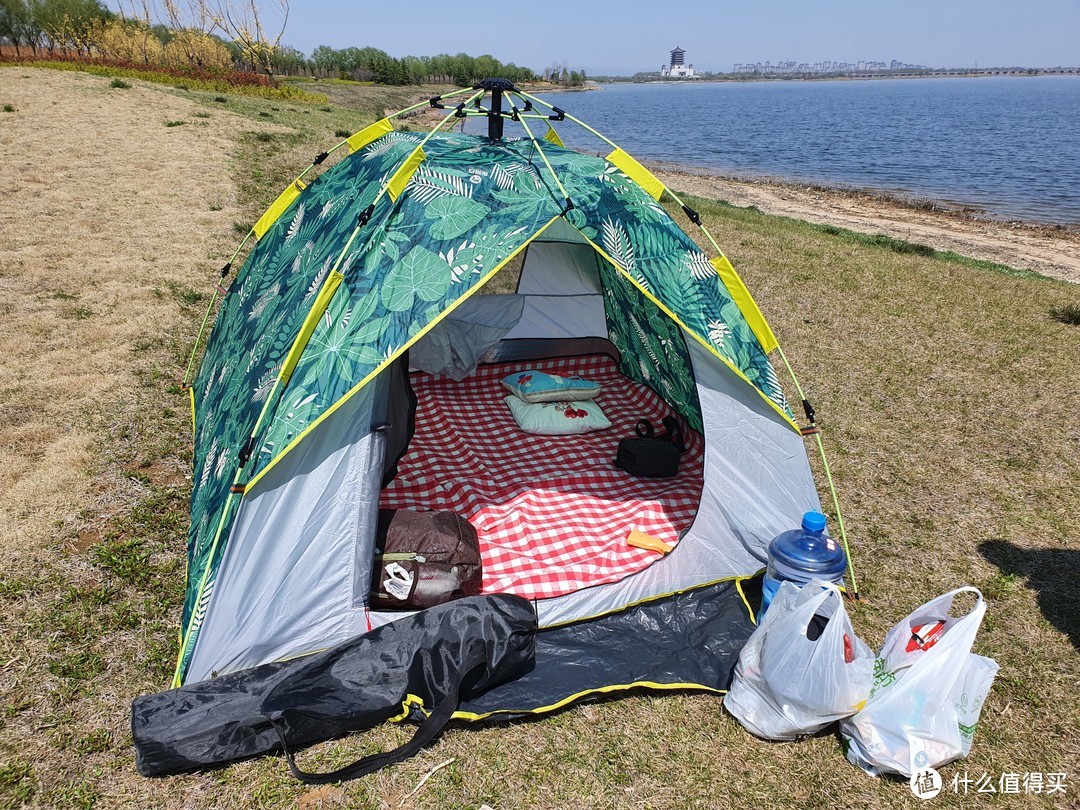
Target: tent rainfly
point(356, 363)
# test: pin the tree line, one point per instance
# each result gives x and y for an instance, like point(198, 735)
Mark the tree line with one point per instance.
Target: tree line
point(173, 37)
point(373, 64)
point(224, 34)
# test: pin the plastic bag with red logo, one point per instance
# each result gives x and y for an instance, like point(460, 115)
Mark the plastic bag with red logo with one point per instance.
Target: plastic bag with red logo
point(803, 667)
point(929, 690)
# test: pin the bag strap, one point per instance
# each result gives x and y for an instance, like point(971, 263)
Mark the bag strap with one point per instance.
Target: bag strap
point(967, 589)
point(815, 597)
point(428, 731)
point(672, 432)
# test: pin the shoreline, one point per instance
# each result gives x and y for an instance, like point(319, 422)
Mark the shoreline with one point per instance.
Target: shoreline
point(959, 73)
point(1048, 249)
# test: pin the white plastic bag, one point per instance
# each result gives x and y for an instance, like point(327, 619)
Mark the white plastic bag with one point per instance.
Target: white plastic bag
point(929, 690)
point(787, 685)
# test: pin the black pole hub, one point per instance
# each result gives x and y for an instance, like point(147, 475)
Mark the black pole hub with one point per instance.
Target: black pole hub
point(497, 87)
point(495, 84)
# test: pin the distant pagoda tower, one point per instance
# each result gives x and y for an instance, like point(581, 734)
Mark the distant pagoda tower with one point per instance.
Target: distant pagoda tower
point(677, 67)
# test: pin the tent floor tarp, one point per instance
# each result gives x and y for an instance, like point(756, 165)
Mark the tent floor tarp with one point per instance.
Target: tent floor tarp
point(552, 512)
point(689, 640)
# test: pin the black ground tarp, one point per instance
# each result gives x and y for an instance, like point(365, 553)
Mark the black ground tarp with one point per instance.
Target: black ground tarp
point(690, 638)
point(687, 640)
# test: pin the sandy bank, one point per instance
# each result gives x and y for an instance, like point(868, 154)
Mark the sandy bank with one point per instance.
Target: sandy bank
point(1048, 250)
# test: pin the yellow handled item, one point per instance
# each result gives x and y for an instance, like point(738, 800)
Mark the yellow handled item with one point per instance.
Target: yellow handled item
point(647, 542)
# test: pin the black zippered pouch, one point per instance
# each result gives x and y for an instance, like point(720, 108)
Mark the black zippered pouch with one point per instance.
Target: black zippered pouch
point(649, 456)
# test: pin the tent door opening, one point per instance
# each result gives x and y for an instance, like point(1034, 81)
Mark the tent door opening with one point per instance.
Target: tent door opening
point(552, 511)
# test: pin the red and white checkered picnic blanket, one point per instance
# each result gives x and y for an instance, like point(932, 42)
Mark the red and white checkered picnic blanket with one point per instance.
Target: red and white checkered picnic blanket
point(552, 512)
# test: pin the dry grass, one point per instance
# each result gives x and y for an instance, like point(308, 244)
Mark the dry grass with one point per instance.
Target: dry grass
point(111, 209)
point(947, 392)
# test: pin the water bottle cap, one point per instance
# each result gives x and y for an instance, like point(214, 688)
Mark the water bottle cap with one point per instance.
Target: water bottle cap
point(813, 522)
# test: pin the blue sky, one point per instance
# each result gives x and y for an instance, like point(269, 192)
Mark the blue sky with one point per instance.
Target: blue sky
point(625, 36)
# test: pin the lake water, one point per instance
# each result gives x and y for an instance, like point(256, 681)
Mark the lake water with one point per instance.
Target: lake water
point(1007, 145)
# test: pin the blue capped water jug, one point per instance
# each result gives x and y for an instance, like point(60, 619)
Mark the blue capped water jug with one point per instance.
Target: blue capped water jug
point(800, 555)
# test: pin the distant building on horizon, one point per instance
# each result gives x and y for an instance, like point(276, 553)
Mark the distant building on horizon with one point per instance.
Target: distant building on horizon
point(678, 68)
point(820, 68)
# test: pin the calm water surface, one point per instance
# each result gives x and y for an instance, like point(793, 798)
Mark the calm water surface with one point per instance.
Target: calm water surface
point(1007, 145)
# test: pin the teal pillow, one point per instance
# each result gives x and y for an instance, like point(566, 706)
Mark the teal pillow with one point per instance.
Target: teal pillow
point(536, 386)
point(557, 418)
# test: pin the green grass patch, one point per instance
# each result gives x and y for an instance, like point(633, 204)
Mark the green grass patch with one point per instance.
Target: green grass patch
point(16, 587)
point(1067, 314)
point(184, 295)
point(126, 558)
point(17, 783)
point(201, 114)
point(342, 133)
point(346, 82)
point(79, 313)
point(78, 666)
point(9, 108)
point(175, 123)
point(93, 743)
point(77, 796)
point(119, 84)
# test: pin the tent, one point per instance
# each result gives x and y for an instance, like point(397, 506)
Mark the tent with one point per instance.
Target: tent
point(356, 360)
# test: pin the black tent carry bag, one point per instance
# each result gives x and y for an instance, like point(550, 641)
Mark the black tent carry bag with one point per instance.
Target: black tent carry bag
point(443, 655)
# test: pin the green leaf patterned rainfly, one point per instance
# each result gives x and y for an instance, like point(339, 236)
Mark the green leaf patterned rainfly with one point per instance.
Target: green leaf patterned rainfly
point(470, 206)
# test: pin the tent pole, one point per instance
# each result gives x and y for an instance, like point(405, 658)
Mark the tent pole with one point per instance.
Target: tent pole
point(828, 473)
point(494, 116)
point(543, 155)
point(228, 265)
